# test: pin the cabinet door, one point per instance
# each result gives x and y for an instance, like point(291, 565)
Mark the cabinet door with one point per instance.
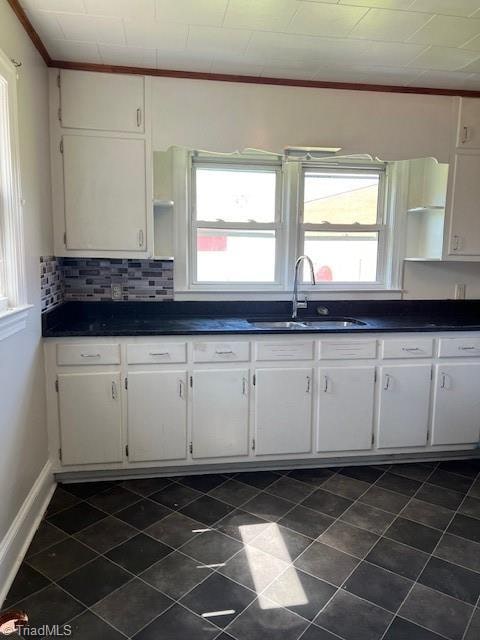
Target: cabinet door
point(220, 413)
point(456, 413)
point(283, 411)
point(404, 402)
point(102, 101)
point(345, 420)
point(105, 193)
point(469, 125)
point(157, 415)
point(464, 206)
point(90, 415)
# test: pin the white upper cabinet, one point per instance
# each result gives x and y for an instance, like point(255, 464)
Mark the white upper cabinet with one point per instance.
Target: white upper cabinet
point(157, 415)
point(102, 101)
point(468, 134)
point(404, 402)
point(283, 411)
point(345, 415)
point(456, 413)
point(104, 194)
point(463, 238)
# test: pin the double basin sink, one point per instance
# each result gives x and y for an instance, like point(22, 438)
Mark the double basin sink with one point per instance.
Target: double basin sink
point(317, 323)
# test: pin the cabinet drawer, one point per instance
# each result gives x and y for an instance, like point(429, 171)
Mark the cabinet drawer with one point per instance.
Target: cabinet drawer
point(221, 351)
point(160, 352)
point(285, 350)
point(68, 354)
point(418, 348)
point(459, 347)
point(348, 349)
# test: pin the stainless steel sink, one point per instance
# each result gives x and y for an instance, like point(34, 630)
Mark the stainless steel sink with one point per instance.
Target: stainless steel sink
point(327, 323)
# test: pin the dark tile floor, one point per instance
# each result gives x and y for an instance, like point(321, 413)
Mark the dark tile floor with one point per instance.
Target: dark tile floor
point(359, 553)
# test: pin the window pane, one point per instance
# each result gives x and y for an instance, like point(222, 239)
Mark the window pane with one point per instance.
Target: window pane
point(235, 256)
point(340, 198)
point(342, 257)
point(234, 195)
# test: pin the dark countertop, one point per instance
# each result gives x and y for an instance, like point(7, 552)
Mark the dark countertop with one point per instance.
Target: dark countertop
point(75, 319)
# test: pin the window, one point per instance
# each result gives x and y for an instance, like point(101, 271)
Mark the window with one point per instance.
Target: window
point(343, 224)
point(249, 217)
point(12, 289)
point(235, 224)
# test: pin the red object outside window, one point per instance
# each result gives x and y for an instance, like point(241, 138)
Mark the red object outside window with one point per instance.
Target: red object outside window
point(212, 243)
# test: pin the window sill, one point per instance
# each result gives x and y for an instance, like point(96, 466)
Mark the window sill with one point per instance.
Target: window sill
point(13, 320)
point(323, 294)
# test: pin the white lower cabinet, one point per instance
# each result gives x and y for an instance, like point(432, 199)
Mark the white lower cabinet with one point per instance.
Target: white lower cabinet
point(345, 413)
point(90, 415)
point(404, 402)
point(220, 404)
point(283, 411)
point(456, 413)
point(157, 415)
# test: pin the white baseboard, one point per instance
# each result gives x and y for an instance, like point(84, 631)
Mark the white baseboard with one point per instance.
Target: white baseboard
point(14, 545)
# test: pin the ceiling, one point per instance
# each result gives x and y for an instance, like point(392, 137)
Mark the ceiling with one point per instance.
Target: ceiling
point(423, 43)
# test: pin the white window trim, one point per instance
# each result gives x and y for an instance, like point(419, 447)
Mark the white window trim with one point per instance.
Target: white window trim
point(389, 288)
point(13, 308)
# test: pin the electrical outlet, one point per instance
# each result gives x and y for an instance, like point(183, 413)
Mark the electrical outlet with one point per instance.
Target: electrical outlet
point(460, 291)
point(116, 290)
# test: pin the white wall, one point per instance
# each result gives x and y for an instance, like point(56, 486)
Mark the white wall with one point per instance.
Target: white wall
point(224, 116)
point(23, 439)
point(433, 280)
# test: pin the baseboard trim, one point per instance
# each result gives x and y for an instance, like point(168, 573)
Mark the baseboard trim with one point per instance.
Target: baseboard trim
point(14, 545)
point(266, 465)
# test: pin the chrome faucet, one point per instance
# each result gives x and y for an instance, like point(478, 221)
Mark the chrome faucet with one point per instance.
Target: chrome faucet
point(296, 303)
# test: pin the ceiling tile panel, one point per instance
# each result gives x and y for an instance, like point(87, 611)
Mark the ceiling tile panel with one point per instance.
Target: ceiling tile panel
point(444, 59)
point(73, 51)
point(184, 61)
point(207, 12)
point(128, 56)
point(325, 19)
point(121, 8)
point(65, 6)
point(379, 4)
point(447, 7)
point(46, 25)
point(157, 35)
point(447, 31)
point(92, 28)
point(204, 39)
point(446, 80)
point(264, 15)
point(395, 54)
point(382, 24)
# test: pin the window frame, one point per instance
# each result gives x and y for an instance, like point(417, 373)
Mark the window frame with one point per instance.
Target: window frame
point(277, 226)
point(382, 225)
point(14, 312)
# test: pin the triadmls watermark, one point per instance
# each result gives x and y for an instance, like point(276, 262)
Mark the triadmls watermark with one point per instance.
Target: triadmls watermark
point(17, 622)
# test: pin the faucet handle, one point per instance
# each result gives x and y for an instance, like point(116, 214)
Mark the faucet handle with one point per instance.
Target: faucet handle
point(323, 311)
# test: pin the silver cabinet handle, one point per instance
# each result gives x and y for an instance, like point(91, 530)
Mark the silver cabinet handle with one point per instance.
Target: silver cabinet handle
point(309, 384)
point(325, 384)
point(244, 386)
point(411, 349)
point(140, 238)
point(180, 388)
point(223, 353)
point(456, 243)
point(114, 390)
point(443, 381)
point(139, 117)
point(464, 135)
point(90, 355)
point(468, 348)
point(159, 353)
point(386, 385)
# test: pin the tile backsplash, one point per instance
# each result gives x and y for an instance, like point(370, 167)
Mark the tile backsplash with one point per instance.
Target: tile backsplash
point(92, 279)
point(51, 282)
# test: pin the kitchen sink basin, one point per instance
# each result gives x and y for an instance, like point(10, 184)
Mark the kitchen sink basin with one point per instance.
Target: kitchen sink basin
point(326, 323)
